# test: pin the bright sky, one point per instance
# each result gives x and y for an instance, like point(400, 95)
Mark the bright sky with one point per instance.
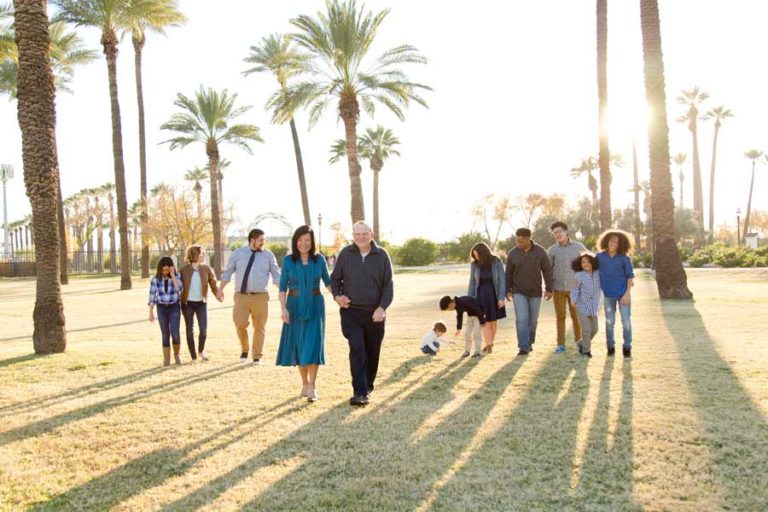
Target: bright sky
point(514, 107)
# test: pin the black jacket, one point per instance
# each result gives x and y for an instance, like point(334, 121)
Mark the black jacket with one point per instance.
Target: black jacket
point(366, 281)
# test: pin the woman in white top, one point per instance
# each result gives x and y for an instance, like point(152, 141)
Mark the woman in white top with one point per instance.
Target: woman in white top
point(196, 277)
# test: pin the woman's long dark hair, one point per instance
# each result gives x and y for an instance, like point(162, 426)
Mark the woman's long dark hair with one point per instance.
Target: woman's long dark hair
point(485, 258)
point(165, 261)
point(301, 231)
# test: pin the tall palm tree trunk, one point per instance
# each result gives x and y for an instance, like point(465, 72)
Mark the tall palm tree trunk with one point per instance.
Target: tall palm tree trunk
point(749, 205)
point(682, 184)
point(109, 42)
point(636, 190)
point(350, 111)
point(712, 184)
point(138, 46)
point(376, 203)
point(212, 151)
point(37, 120)
point(300, 169)
point(604, 156)
point(64, 261)
point(671, 279)
point(112, 248)
point(698, 195)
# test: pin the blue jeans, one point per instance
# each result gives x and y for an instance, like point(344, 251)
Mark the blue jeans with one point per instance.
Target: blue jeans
point(610, 304)
point(190, 310)
point(169, 318)
point(526, 319)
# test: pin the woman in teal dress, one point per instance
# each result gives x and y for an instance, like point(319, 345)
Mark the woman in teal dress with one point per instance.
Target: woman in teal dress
point(303, 310)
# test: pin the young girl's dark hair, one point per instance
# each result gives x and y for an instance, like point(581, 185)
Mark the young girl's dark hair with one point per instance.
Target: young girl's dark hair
point(625, 245)
point(165, 261)
point(301, 231)
point(485, 258)
point(440, 327)
point(576, 263)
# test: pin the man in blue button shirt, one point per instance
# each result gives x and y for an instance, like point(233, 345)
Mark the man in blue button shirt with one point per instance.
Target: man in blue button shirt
point(252, 266)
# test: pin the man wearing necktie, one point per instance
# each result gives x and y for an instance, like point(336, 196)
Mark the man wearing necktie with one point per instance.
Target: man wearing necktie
point(252, 266)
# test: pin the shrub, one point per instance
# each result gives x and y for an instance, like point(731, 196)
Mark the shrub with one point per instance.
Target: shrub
point(417, 252)
point(458, 249)
point(279, 250)
point(642, 259)
point(685, 253)
point(730, 257)
point(699, 259)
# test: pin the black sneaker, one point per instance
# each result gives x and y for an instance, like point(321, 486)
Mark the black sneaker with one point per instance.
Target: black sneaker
point(627, 353)
point(587, 354)
point(523, 353)
point(243, 357)
point(358, 401)
point(581, 349)
point(611, 351)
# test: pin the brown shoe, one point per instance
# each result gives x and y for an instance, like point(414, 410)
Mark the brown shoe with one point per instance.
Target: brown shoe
point(166, 356)
point(176, 355)
point(488, 348)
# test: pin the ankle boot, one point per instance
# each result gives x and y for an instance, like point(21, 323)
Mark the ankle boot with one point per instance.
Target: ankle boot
point(166, 356)
point(176, 356)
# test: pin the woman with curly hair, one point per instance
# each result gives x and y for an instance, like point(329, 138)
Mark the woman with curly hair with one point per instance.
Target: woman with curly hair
point(616, 279)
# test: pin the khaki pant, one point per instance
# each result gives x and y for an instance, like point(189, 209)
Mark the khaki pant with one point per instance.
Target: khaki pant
point(255, 307)
point(472, 330)
point(562, 299)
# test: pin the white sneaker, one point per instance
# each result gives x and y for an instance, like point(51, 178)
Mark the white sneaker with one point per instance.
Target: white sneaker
point(257, 362)
point(203, 356)
point(312, 396)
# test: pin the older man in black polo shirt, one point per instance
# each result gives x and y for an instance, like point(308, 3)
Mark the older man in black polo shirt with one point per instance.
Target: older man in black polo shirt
point(362, 286)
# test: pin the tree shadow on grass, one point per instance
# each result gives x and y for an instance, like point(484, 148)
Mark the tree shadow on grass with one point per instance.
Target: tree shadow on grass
point(156, 467)
point(735, 431)
point(387, 461)
point(526, 464)
point(339, 449)
point(50, 424)
point(97, 387)
point(19, 359)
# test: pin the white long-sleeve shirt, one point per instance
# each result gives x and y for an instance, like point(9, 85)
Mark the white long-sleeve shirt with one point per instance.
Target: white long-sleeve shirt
point(432, 340)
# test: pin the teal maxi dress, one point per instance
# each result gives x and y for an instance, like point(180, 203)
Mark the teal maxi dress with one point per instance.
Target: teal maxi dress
point(302, 340)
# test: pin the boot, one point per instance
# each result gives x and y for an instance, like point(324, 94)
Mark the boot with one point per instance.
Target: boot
point(176, 356)
point(166, 356)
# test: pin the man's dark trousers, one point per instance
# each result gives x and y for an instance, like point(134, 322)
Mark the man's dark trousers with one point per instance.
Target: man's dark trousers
point(364, 337)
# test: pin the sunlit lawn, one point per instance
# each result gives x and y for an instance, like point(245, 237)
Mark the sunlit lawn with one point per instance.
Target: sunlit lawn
point(681, 427)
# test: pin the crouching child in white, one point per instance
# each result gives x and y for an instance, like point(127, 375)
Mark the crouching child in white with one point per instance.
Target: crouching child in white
point(430, 344)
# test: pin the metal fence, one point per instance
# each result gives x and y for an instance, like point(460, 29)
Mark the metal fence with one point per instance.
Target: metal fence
point(23, 263)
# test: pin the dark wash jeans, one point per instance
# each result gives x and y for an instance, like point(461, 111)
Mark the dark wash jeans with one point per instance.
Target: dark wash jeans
point(190, 310)
point(364, 337)
point(169, 318)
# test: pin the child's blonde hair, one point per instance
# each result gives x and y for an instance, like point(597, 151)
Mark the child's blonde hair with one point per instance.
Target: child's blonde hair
point(193, 252)
point(440, 327)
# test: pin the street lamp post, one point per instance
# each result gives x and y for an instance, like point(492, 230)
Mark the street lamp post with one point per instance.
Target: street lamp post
point(738, 226)
point(320, 232)
point(6, 174)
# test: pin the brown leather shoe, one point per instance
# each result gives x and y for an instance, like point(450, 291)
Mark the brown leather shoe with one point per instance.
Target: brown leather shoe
point(166, 356)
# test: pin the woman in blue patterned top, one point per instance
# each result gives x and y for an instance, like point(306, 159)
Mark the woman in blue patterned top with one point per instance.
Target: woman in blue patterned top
point(303, 310)
point(586, 297)
point(164, 292)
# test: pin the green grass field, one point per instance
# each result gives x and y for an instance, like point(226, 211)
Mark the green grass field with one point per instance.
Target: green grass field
point(104, 427)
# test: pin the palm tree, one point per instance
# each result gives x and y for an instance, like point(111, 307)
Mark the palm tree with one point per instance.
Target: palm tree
point(588, 166)
point(67, 51)
point(718, 114)
point(221, 165)
point(276, 55)
point(147, 16)
point(604, 155)
point(636, 192)
point(108, 190)
point(206, 119)
point(671, 280)
point(679, 160)
point(197, 175)
point(110, 16)
point(339, 41)
point(376, 146)
point(693, 98)
point(37, 121)
point(753, 155)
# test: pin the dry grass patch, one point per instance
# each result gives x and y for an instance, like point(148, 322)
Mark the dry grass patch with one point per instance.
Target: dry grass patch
point(681, 427)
